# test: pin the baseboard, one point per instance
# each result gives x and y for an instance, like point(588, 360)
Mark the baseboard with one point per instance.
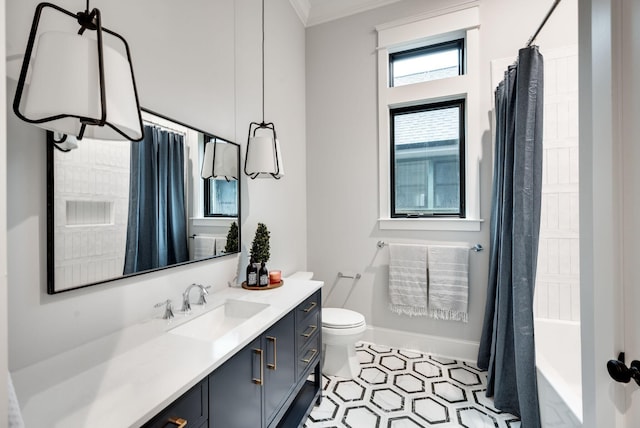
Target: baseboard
point(450, 348)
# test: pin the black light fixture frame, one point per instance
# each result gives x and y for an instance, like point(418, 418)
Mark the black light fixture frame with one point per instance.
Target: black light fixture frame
point(253, 128)
point(88, 20)
point(262, 125)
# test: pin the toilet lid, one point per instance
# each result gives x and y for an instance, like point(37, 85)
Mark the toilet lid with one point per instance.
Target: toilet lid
point(341, 318)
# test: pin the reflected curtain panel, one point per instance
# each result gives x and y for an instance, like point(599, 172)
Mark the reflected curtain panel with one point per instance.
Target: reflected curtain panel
point(507, 348)
point(156, 229)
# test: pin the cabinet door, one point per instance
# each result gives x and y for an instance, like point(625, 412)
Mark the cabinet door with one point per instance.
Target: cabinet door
point(280, 365)
point(235, 390)
point(191, 407)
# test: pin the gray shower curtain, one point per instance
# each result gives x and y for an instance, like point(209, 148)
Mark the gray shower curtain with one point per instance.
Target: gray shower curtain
point(507, 348)
point(156, 229)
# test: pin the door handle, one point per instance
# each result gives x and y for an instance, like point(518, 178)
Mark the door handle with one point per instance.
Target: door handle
point(619, 371)
point(273, 366)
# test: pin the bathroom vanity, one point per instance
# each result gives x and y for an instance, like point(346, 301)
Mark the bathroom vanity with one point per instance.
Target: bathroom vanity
point(249, 358)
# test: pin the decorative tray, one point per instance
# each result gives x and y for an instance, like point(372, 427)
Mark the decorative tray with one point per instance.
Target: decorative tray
point(268, 287)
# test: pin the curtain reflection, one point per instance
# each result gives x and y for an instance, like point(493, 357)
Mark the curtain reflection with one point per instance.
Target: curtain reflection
point(156, 232)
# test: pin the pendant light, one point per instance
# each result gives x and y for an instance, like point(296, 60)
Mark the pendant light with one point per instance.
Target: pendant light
point(220, 161)
point(78, 85)
point(263, 158)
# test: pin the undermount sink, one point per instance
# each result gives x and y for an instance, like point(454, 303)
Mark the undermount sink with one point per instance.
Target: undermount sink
point(220, 320)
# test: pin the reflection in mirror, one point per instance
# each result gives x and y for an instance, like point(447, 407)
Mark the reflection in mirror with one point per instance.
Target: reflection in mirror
point(120, 208)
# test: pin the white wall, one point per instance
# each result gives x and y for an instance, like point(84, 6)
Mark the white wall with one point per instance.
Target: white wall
point(3, 234)
point(342, 153)
point(197, 64)
point(557, 294)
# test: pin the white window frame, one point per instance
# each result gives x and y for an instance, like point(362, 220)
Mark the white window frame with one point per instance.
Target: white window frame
point(444, 25)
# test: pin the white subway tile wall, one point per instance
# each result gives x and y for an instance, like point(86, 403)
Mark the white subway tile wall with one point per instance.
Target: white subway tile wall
point(91, 197)
point(557, 294)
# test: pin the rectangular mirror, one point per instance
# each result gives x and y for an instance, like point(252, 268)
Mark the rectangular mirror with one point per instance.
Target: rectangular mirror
point(120, 208)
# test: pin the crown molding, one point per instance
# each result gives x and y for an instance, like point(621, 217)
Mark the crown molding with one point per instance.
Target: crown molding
point(314, 12)
point(303, 9)
point(336, 9)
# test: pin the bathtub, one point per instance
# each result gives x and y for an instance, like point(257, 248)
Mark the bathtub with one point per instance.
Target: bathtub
point(559, 366)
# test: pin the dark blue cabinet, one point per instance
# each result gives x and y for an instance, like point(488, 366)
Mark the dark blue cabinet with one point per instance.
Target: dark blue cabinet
point(272, 382)
point(280, 370)
point(235, 389)
point(251, 389)
point(191, 409)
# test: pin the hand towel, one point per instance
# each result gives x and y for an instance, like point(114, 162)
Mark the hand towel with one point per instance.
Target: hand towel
point(221, 244)
point(204, 246)
point(408, 279)
point(448, 282)
point(15, 416)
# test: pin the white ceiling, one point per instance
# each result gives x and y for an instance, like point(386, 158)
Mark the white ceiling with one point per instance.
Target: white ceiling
point(313, 12)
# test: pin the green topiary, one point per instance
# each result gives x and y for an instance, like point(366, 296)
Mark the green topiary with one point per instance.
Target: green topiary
point(260, 245)
point(232, 239)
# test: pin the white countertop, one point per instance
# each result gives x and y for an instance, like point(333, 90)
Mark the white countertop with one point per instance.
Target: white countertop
point(126, 378)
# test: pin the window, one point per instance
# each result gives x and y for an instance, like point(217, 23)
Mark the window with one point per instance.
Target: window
point(426, 63)
point(220, 198)
point(429, 117)
point(427, 159)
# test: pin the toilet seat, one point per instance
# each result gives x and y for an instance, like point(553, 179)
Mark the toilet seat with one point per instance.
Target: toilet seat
point(340, 318)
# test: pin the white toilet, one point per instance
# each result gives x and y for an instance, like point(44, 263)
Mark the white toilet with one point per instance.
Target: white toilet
point(341, 329)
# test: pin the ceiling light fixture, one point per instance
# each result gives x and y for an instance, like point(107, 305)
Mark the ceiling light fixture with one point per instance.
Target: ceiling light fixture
point(220, 161)
point(78, 85)
point(263, 157)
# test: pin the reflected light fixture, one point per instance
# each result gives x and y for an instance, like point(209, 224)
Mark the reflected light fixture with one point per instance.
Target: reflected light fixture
point(220, 161)
point(263, 158)
point(75, 84)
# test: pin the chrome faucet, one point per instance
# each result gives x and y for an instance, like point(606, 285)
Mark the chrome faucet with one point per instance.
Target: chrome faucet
point(168, 310)
point(186, 305)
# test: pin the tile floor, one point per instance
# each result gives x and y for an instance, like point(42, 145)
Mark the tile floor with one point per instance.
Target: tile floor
point(407, 389)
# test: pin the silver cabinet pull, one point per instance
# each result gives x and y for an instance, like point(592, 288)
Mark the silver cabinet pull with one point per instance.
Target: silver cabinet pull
point(313, 355)
point(261, 379)
point(311, 306)
point(273, 366)
point(310, 330)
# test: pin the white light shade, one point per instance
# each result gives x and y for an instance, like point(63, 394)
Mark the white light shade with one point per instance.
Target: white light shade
point(65, 80)
point(261, 157)
point(225, 165)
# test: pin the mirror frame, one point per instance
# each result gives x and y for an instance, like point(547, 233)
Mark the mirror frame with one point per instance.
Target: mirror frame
point(51, 259)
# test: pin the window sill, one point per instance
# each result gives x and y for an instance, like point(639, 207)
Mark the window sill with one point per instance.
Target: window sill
point(213, 221)
point(450, 224)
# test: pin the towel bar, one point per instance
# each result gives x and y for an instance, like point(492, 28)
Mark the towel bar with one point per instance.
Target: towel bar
point(357, 276)
point(476, 248)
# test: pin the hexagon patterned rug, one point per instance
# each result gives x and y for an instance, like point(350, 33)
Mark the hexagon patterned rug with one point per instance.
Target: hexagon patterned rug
point(408, 389)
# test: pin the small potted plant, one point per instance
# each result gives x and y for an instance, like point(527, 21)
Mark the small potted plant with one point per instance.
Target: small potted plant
point(260, 246)
point(232, 239)
point(260, 253)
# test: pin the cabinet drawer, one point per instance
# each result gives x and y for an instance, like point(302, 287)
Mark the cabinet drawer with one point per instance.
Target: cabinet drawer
point(307, 308)
point(308, 356)
point(307, 329)
point(192, 407)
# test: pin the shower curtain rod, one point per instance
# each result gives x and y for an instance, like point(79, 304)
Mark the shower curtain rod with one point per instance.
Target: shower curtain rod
point(165, 127)
point(544, 21)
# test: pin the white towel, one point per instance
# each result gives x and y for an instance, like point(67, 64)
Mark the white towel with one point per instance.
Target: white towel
point(204, 246)
point(448, 282)
point(408, 279)
point(221, 244)
point(15, 416)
